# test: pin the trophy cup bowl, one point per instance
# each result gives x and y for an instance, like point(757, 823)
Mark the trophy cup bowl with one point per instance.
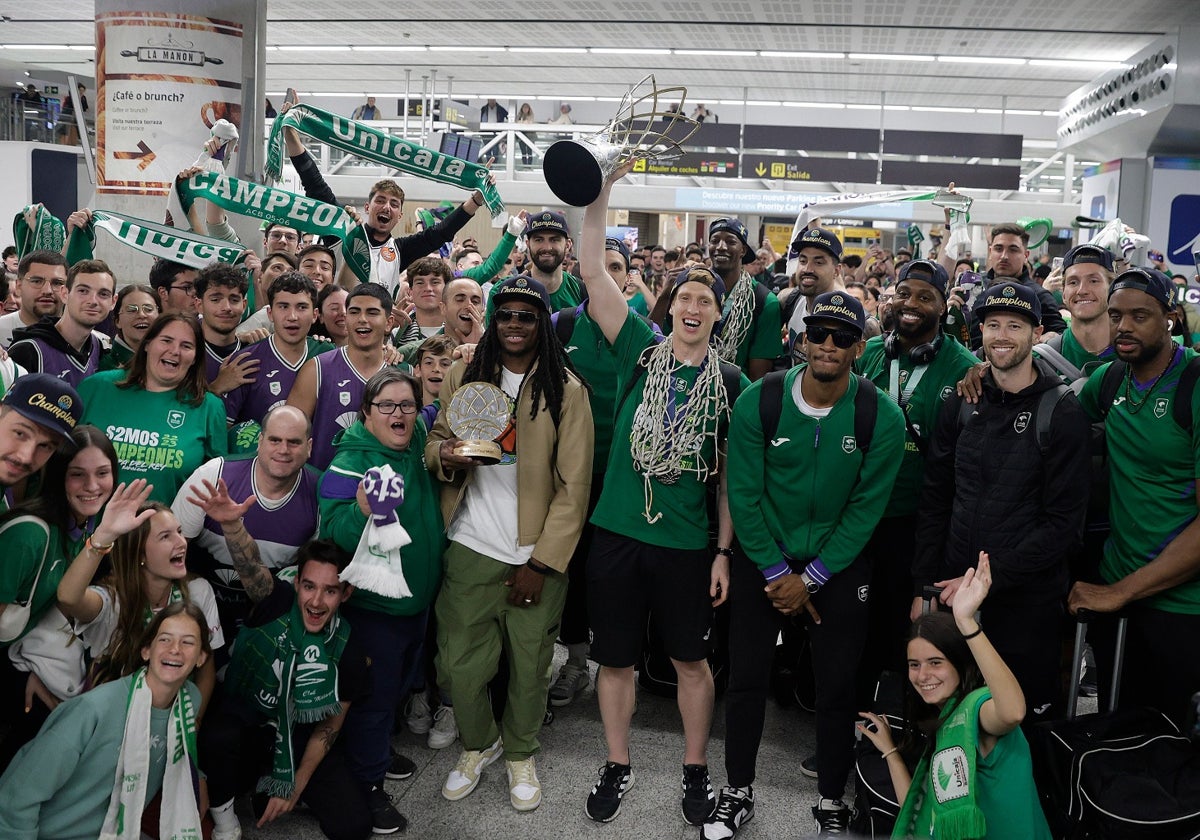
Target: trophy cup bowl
point(575, 170)
point(952, 200)
point(478, 413)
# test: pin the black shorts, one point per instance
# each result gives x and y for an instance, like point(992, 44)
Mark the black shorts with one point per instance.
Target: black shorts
point(628, 580)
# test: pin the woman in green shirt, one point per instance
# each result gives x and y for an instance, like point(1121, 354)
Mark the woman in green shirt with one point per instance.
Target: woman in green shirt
point(975, 776)
point(40, 538)
point(159, 414)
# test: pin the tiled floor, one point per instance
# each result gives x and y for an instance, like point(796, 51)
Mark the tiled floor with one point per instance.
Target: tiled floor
point(572, 751)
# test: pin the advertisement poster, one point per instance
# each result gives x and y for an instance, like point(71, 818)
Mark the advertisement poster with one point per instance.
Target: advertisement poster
point(165, 79)
point(1174, 219)
point(1101, 185)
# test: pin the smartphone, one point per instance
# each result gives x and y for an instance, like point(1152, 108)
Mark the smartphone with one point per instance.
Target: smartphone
point(970, 278)
point(1196, 260)
point(1056, 264)
point(291, 98)
point(1154, 256)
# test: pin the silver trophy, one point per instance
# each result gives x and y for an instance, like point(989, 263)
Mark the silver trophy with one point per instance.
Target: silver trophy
point(952, 200)
point(642, 129)
point(478, 414)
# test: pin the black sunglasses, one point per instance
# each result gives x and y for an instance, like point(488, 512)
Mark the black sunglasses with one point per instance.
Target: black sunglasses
point(522, 316)
point(844, 339)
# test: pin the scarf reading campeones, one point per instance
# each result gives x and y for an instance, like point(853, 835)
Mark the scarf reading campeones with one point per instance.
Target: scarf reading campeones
point(942, 794)
point(290, 675)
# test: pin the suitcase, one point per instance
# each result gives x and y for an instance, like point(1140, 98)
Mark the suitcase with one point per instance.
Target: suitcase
point(1118, 774)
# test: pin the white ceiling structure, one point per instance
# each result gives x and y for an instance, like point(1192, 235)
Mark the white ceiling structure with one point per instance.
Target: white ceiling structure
point(825, 58)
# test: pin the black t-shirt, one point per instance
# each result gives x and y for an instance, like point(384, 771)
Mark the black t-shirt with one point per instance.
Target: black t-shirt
point(354, 675)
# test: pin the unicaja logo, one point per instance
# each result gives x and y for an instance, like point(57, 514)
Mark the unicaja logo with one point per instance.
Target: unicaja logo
point(56, 409)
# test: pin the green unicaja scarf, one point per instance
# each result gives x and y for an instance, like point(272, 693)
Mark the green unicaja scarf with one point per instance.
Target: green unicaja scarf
point(290, 675)
point(945, 781)
point(361, 140)
point(36, 229)
point(170, 243)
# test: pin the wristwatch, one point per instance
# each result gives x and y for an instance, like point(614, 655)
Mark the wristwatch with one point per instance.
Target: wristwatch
point(811, 585)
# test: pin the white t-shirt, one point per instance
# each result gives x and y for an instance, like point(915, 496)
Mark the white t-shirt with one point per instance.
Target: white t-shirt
point(486, 520)
point(8, 323)
point(802, 404)
point(97, 633)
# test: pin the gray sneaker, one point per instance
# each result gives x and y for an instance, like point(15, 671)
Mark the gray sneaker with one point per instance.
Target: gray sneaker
point(571, 680)
point(445, 728)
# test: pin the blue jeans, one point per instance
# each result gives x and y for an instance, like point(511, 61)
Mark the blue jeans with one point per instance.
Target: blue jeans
point(394, 645)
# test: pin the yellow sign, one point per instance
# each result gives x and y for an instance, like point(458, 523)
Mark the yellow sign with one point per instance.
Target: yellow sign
point(780, 237)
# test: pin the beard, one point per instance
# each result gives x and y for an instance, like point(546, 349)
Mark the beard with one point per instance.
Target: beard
point(927, 324)
point(548, 262)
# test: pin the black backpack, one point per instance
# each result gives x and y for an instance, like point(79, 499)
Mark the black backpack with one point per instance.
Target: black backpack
point(866, 407)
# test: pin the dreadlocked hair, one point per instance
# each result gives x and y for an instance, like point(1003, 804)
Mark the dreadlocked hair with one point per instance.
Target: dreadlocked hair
point(549, 370)
point(134, 610)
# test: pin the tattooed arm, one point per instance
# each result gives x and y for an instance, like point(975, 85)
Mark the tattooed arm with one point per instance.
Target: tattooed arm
point(320, 742)
point(214, 500)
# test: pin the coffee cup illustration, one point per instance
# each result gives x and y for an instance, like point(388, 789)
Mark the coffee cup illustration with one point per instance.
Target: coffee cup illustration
point(210, 112)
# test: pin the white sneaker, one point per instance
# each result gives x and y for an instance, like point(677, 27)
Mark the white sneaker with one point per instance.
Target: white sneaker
point(571, 680)
point(232, 833)
point(524, 788)
point(445, 728)
point(417, 714)
point(464, 778)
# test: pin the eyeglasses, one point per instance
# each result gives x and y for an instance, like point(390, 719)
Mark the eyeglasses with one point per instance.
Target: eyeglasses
point(843, 339)
point(388, 407)
point(39, 282)
point(280, 236)
point(186, 288)
point(145, 308)
point(522, 316)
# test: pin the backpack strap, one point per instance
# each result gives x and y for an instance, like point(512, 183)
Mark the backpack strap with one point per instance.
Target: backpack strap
point(1110, 383)
point(1181, 411)
point(1050, 352)
point(770, 403)
point(564, 323)
point(866, 408)
point(643, 362)
point(1045, 414)
point(760, 298)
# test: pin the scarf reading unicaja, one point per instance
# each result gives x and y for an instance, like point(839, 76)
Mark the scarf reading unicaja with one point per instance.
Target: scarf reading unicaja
point(267, 672)
point(379, 147)
point(949, 774)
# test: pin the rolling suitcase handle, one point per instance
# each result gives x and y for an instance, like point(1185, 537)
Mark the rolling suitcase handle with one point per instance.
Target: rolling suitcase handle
point(1081, 621)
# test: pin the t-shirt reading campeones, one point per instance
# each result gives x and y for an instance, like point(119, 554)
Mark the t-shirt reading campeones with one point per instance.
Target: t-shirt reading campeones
point(622, 505)
point(157, 436)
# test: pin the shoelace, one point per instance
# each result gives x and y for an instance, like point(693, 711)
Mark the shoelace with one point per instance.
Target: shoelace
point(725, 807)
point(522, 774)
point(610, 776)
point(466, 760)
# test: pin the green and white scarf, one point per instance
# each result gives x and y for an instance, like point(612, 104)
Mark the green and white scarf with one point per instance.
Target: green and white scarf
point(36, 229)
point(949, 774)
point(290, 675)
point(270, 204)
point(178, 819)
point(361, 140)
point(159, 241)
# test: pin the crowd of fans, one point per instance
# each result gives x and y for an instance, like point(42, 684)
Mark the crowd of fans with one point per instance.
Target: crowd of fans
point(244, 512)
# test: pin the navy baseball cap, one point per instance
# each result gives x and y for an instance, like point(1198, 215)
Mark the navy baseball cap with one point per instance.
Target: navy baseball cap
point(1149, 280)
point(47, 401)
point(821, 238)
point(618, 245)
point(927, 270)
point(738, 228)
point(700, 274)
point(547, 220)
point(837, 306)
point(1088, 254)
point(522, 288)
point(1011, 296)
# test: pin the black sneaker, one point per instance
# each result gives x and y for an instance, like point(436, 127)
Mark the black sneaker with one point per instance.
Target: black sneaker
point(402, 767)
point(385, 819)
point(808, 767)
point(833, 817)
point(735, 808)
point(604, 802)
point(698, 798)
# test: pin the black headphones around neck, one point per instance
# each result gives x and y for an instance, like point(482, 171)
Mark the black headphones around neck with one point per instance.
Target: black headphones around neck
point(922, 354)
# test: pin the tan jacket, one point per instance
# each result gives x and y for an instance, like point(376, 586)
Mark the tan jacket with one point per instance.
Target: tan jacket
point(553, 480)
